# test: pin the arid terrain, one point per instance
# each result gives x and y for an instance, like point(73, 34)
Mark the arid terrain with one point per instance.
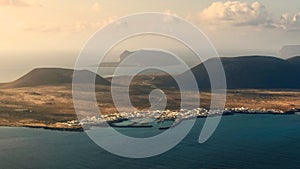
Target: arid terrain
point(50, 106)
point(43, 97)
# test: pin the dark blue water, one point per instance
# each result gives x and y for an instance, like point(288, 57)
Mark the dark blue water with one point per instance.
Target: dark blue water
point(241, 141)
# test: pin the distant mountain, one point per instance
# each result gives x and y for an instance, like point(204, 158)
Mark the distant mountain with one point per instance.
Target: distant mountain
point(258, 72)
point(52, 76)
point(141, 58)
point(125, 54)
point(294, 60)
point(245, 72)
point(290, 51)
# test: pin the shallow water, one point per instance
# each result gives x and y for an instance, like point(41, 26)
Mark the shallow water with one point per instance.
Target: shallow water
point(240, 141)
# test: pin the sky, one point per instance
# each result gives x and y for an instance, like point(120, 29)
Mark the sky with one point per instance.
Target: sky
point(38, 33)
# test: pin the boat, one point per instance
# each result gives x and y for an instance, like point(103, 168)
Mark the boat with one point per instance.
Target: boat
point(164, 128)
point(131, 126)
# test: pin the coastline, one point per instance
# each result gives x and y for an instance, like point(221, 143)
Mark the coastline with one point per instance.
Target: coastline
point(46, 127)
point(78, 128)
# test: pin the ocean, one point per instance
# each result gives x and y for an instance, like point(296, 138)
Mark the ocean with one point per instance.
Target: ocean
point(240, 141)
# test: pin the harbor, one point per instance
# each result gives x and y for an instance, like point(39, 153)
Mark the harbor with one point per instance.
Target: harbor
point(163, 120)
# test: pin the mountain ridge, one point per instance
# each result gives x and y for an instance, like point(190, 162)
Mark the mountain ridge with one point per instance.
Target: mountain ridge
point(261, 72)
point(51, 76)
point(243, 72)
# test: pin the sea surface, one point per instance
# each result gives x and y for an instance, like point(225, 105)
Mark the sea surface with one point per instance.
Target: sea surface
point(240, 141)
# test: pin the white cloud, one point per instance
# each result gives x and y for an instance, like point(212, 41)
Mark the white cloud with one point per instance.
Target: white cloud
point(289, 22)
point(237, 13)
point(169, 16)
point(96, 7)
point(45, 27)
point(109, 20)
point(77, 27)
point(19, 3)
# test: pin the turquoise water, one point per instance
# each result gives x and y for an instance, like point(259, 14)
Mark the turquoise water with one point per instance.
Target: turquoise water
point(241, 141)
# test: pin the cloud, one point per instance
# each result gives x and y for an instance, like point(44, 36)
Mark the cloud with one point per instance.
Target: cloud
point(96, 7)
point(109, 20)
point(237, 13)
point(169, 16)
point(77, 27)
point(44, 28)
point(289, 22)
point(19, 3)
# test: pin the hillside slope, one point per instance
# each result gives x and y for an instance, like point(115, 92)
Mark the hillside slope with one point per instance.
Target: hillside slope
point(52, 77)
point(260, 72)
